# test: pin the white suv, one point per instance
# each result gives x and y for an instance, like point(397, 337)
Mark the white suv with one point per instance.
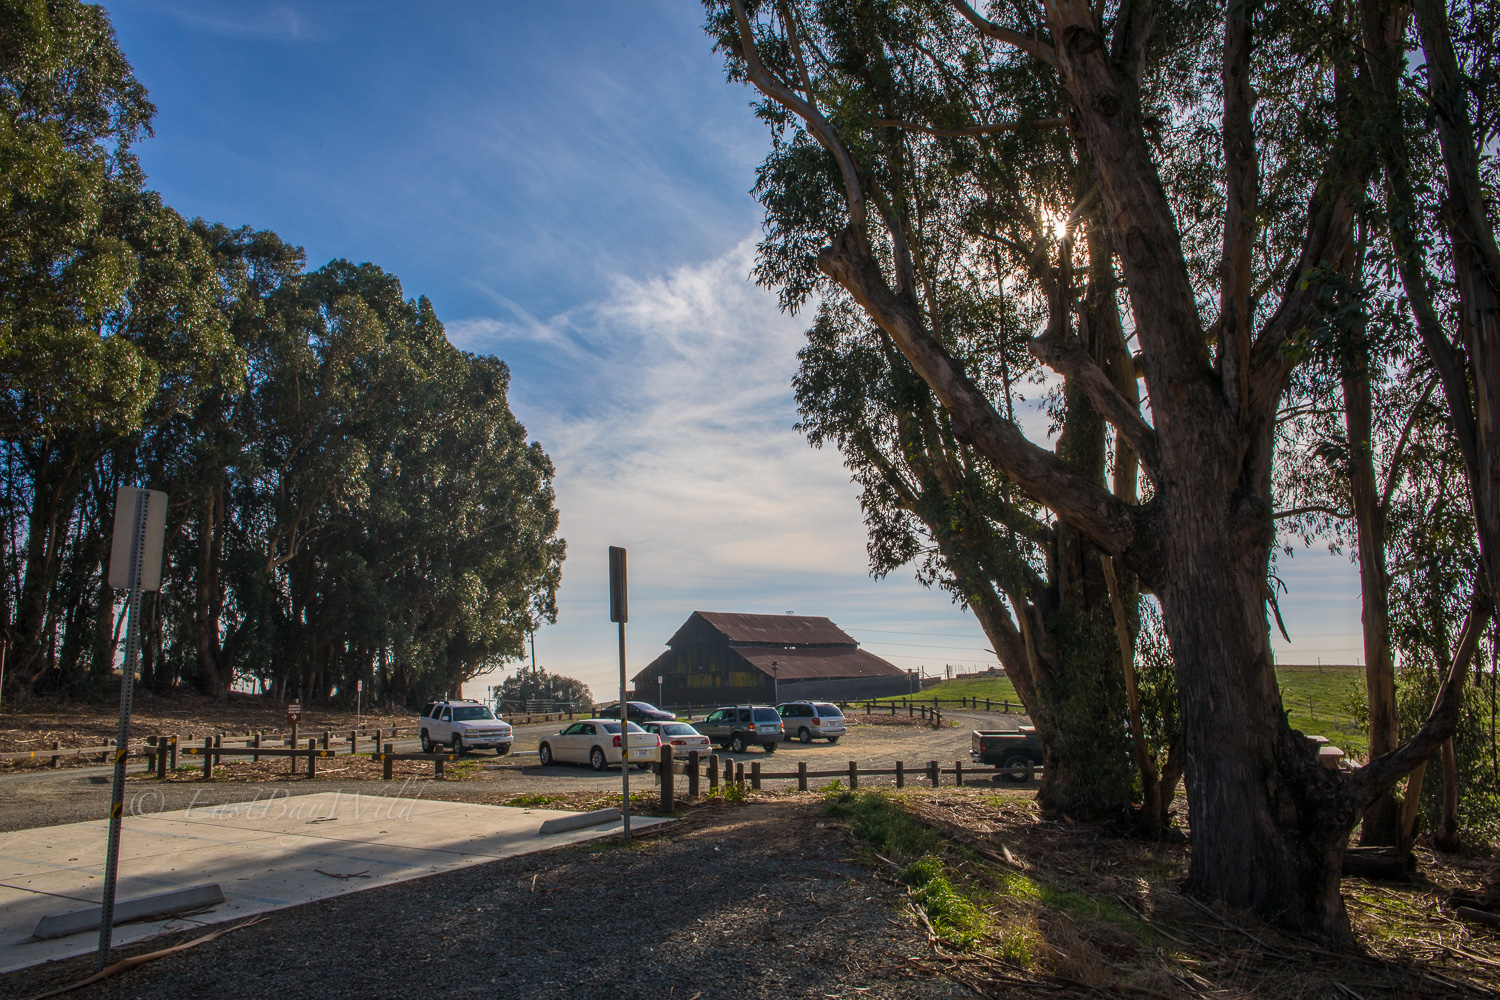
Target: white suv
point(463, 726)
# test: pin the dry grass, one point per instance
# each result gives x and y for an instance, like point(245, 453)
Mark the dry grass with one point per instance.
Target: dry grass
point(1078, 912)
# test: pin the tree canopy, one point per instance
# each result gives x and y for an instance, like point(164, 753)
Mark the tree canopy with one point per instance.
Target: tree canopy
point(351, 496)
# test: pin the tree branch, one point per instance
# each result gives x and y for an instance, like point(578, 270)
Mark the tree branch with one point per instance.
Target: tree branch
point(1242, 183)
point(1384, 771)
point(821, 130)
point(1086, 504)
point(1068, 358)
point(969, 130)
point(1032, 46)
point(1312, 508)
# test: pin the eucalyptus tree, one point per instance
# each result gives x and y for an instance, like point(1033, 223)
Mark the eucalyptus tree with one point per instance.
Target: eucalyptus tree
point(1225, 144)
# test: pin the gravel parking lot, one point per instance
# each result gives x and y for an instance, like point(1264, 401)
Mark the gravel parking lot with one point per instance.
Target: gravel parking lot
point(46, 797)
point(756, 900)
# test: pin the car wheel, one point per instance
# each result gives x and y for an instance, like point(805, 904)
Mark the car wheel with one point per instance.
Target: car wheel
point(426, 742)
point(544, 755)
point(642, 767)
point(804, 734)
point(737, 743)
point(832, 740)
point(597, 759)
point(458, 743)
point(1019, 769)
point(502, 750)
point(770, 748)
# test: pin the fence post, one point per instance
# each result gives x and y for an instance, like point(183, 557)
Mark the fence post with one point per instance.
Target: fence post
point(713, 772)
point(326, 735)
point(56, 745)
point(728, 772)
point(958, 773)
point(218, 743)
point(173, 764)
point(939, 723)
point(986, 704)
point(932, 772)
point(692, 773)
point(755, 775)
point(256, 759)
point(900, 774)
point(853, 775)
point(739, 772)
point(439, 768)
point(312, 758)
point(387, 764)
point(668, 781)
point(161, 758)
point(377, 738)
point(353, 742)
point(893, 708)
point(801, 775)
point(208, 758)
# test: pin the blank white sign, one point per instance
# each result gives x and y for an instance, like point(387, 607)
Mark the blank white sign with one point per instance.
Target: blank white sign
point(125, 530)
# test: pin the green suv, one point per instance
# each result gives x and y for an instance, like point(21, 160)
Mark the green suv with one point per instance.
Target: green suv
point(740, 726)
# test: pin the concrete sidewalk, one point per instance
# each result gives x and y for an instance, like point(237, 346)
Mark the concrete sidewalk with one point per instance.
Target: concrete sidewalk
point(265, 854)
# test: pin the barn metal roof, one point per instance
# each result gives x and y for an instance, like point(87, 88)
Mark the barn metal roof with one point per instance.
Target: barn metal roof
point(805, 664)
point(786, 629)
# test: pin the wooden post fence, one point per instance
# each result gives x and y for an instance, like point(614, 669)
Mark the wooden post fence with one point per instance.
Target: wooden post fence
point(387, 764)
point(668, 780)
point(713, 772)
point(208, 758)
point(692, 791)
point(312, 758)
point(900, 774)
point(755, 775)
point(932, 772)
point(853, 775)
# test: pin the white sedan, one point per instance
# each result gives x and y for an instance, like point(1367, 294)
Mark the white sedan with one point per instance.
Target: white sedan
point(680, 736)
point(597, 742)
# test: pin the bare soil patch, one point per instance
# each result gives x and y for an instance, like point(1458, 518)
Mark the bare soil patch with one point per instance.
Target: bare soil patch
point(36, 724)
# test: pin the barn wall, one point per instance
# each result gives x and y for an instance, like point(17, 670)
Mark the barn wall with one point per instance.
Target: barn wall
point(844, 688)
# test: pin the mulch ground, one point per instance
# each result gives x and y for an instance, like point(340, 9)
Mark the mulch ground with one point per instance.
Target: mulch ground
point(738, 901)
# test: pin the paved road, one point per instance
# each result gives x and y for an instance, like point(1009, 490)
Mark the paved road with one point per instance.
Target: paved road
point(68, 795)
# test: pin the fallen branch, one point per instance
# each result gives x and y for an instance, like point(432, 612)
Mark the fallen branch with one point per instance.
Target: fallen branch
point(150, 956)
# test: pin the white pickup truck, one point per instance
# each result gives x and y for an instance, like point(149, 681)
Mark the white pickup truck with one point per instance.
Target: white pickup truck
point(462, 726)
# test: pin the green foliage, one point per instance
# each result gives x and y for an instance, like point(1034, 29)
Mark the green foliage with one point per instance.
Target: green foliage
point(882, 823)
point(955, 919)
point(1476, 747)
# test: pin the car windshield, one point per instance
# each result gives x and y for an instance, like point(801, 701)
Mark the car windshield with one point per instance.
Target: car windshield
point(644, 706)
point(829, 710)
point(766, 715)
point(614, 727)
point(469, 713)
point(678, 729)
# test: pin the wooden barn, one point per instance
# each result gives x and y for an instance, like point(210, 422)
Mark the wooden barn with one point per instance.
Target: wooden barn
point(721, 659)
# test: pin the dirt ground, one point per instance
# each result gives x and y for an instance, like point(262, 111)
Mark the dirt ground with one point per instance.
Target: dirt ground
point(35, 725)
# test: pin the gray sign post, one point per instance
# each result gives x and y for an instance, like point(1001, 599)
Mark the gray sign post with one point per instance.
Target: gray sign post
point(134, 566)
point(619, 611)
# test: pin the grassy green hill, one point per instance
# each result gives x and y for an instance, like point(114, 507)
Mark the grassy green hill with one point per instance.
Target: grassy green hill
point(1318, 699)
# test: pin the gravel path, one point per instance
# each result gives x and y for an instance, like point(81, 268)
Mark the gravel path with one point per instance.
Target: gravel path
point(759, 900)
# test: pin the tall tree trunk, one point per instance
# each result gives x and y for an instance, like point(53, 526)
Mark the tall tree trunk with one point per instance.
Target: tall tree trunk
point(1445, 837)
point(1380, 820)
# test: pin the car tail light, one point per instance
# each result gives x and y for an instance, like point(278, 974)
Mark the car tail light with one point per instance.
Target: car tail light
point(617, 742)
point(679, 743)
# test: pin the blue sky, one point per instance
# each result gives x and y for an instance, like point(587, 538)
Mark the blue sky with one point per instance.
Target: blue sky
point(568, 184)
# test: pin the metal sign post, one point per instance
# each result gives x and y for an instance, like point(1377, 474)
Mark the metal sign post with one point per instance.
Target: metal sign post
point(619, 612)
point(359, 701)
point(134, 566)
